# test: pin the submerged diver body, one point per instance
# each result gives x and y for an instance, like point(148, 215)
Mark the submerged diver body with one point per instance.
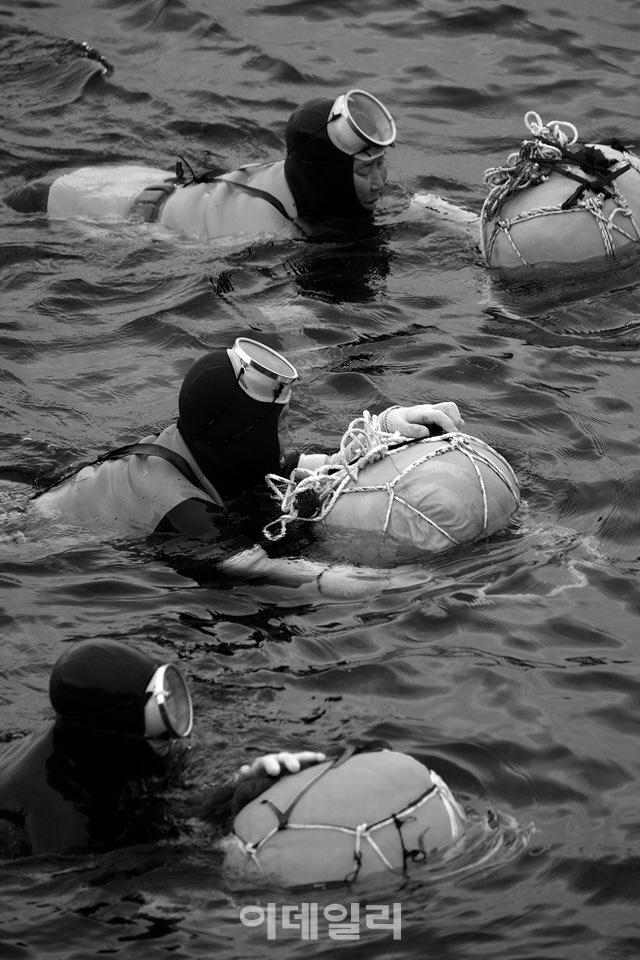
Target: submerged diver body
point(224, 443)
point(96, 779)
point(93, 777)
point(79, 782)
point(333, 174)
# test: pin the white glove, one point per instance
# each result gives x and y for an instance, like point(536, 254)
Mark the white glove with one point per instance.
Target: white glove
point(254, 562)
point(276, 763)
point(413, 422)
point(345, 582)
point(339, 581)
point(443, 208)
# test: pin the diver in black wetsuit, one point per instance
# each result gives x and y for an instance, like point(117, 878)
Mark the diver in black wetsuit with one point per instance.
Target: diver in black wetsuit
point(104, 774)
point(66, 787)
point(93, 778)
point(180, 485)
point(329, 183)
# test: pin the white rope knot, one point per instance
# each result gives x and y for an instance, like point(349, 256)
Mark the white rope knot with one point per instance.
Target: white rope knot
point(523, 169)
point(534, 164)
point(311, 495)
point(553, 130)
point(361, 831)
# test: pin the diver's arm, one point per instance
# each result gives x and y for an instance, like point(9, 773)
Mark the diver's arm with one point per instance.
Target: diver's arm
point(339, 581)
point(188, 538)
point(13, 840)
point(445, 211)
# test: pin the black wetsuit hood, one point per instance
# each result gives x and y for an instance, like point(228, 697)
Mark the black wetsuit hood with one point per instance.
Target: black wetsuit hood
point(100, 685)
point(319, 175)
point(98, 691)
point(80, 782)
point(233, 437)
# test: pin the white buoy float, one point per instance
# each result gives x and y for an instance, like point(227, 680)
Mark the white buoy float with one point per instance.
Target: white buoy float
point(558, 201)
point(432, 493)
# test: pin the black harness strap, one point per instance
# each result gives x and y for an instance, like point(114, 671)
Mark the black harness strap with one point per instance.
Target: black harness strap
point(255, 192)
point(154, 450)
point(599, 185)
point(148, 204)
point(211, 177)
point(591, 161)
point(133, 449)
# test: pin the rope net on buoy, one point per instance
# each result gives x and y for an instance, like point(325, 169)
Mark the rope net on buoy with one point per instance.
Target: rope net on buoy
point(555, 149)
point(310, 495)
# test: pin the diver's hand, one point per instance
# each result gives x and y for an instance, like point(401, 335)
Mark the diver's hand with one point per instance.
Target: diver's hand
point(443, 209)
point(414, 422)
point(277, 763)
point(339, 581)
point(254, 562)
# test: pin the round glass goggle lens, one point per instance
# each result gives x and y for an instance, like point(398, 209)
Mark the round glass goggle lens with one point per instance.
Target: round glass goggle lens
point(168, 710)
point(370, 119)
point(266, 360)
point(177, 702)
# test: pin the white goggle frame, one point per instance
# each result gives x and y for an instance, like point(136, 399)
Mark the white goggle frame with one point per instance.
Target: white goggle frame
point(168, 710)
point(360, 125)
point(263, 373)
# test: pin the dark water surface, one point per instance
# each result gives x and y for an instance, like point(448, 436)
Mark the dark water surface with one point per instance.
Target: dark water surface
point(513, 668)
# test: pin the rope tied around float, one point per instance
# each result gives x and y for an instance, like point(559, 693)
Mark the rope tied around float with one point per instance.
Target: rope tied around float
point(310, 495)
point(532, 163)
point(363, 833)
point(550, 151)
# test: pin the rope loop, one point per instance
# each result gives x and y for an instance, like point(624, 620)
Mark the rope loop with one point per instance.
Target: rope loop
point(310, 495)
point(532, 164)
point(364, 442)
point(555, 148)
point(553, 130)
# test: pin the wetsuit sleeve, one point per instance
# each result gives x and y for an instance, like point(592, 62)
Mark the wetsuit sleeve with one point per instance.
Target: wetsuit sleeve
point(193, 518)
point(13, 840)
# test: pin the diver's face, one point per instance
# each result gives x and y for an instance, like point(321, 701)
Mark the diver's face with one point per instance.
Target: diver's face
point(369, 178)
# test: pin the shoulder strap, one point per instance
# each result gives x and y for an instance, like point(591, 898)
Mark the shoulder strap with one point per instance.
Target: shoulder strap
point(209, 177)
point(154, 450)
point(142, 449)
point(255, 192)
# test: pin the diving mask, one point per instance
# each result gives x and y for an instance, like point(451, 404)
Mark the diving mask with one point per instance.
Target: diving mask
point(360, 125)
point(263, 373)
point(168, 711)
